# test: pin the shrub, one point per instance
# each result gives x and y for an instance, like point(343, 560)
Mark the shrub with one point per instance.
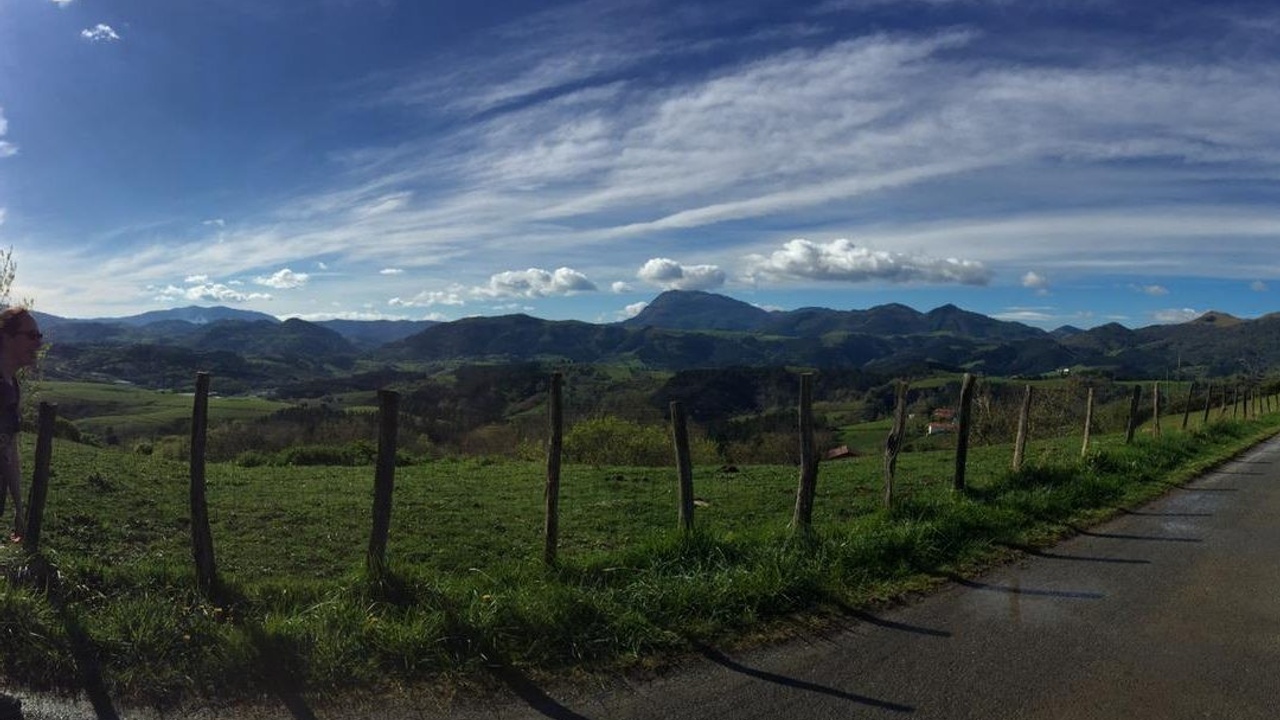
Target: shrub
point(611, 440)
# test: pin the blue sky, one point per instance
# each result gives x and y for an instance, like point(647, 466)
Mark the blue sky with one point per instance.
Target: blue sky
point(1057, 162)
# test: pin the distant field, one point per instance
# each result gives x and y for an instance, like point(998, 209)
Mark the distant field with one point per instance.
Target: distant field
point(131, 412)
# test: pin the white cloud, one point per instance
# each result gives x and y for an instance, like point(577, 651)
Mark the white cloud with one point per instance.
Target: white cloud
point(671, 275)
point(1034, 281)
point(1176, 315)
point(535, 282)
point(391, 271)
point(196, 279)
point(1258, 286)
point(284, 279)
point(842, 261)
point(428, 298)
point(7, 149)
point(215, 292)
point(1152, 290)
point(100, 33)
point(216, 222)
point(61, 3)
point(384, 204)
point(632, 310)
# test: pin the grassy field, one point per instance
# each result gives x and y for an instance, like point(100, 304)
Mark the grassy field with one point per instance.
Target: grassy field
point(131, 412)
point(466, 587)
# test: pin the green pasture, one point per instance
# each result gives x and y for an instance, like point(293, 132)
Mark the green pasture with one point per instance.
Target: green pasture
point(466, 587)
point(133, 412)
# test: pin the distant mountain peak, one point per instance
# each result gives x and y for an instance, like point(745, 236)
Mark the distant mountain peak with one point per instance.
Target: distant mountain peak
point(1217, 319)
point(697, 310)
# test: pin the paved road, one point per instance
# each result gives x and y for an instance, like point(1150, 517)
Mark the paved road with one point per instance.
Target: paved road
point(1171, 611)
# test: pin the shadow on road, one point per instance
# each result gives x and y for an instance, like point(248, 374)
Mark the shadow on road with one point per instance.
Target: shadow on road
point(1065, 594)
point(532, 695)
point(866, 617)
point(1124, 536)
point(1140, 513)
point(1049, 555)
point(728, 663)
point(10, 707)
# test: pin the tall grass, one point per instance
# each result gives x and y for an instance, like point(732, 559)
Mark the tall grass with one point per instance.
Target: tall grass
point(465, 590)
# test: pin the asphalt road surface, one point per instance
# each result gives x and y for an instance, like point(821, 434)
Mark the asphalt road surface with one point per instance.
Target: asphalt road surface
point(1170, 611)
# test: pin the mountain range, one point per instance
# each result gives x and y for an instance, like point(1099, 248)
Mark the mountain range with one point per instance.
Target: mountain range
point(677, 330)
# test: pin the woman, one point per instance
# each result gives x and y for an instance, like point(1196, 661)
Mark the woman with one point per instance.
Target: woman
point(20, 342)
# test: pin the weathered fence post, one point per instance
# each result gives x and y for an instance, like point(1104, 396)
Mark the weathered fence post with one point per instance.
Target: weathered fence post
point(1155, 409)
point(40, 478)
point(201, 535)
point(803, 519)
point(554, 449)
point(1208, 402)
point(684, 465)
point(1024, 428)
point(1133, 414)
point(962, 430)
point(1088, 423)
point(893, 443)
point(384, 481)
point(1235, 402)
point(1186, 407)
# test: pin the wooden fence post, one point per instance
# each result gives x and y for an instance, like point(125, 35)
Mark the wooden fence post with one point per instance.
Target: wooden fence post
point(1024, 429)
point(384, 481)
point(1088, 423)
point(1186, 407)
point(40, 478)
point(201, 535)
point(1155, 409)
point(554, 449)
point(893, 443)
point(1235, 402)
point(803, 519)
point(1133, 414)
point(962, 430)
point(684, 465)
point(1208, 402)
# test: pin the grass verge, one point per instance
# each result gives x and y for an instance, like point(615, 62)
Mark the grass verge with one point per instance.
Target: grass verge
point(111, 601)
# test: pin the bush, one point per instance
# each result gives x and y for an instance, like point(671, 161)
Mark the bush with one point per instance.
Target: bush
point(611, 440)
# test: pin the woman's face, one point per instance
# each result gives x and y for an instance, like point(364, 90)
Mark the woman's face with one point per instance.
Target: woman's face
point(25, 344)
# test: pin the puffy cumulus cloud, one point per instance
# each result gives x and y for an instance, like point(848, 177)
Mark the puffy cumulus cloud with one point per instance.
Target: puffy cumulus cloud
point(1256, 285)
point(1152, 290)
point(1175, 315)
point(535, 283)
point(100, 33)
point(671, 275)
point(216, 292)
point(840, 260)
point(283, 279)
point(632, 310)
point(429, 298)
point(619, 287)
point(391, 271)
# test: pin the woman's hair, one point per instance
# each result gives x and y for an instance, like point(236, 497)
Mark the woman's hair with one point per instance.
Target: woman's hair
point(11, 319)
